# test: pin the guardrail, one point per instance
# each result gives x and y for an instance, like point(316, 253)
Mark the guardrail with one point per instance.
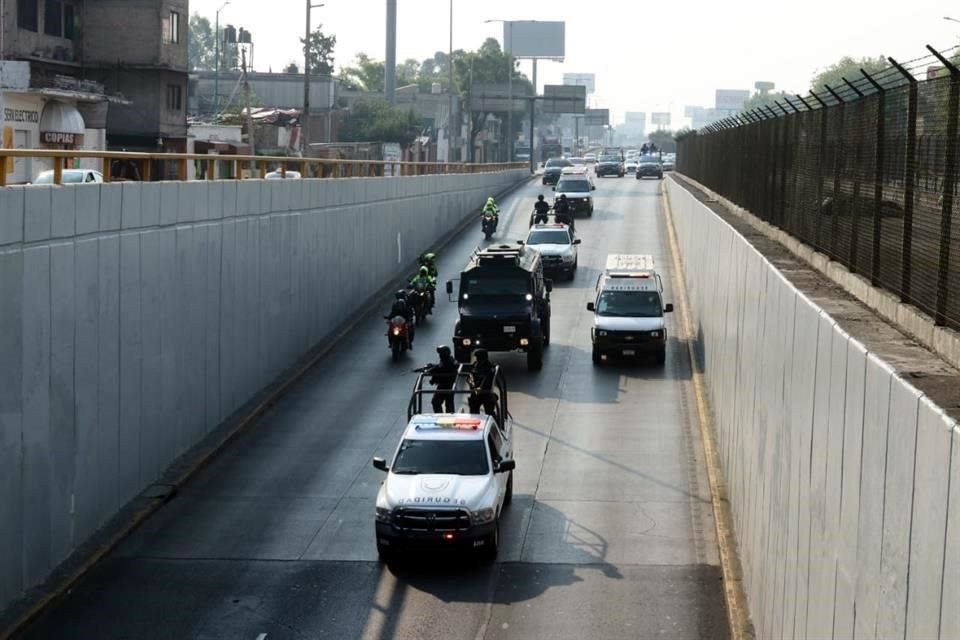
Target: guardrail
point(260, 165)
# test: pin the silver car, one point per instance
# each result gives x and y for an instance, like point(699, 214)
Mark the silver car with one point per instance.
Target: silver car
point(70, 176)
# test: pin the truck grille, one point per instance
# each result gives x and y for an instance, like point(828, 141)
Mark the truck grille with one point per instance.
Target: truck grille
point(629, 337)
point(431, 520)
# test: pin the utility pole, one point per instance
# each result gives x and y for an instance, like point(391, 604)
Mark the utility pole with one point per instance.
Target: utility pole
point(533, 161)
point(450, 120)
point(216, 62)
point(390, 70)
point(305, 116)
point(246, 106)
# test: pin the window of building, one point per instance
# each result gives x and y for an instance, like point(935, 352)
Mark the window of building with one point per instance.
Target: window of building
point(69, 21)
point(173, 28)
point(174, 97)
point(53, 18)
point(27, 15)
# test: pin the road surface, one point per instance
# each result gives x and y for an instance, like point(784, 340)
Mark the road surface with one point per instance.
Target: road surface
point(610, 534)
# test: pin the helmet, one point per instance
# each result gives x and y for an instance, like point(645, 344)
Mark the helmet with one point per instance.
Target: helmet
point(429, 257)
point(401, 295)
point(443, 351)
point(491, 201)
point(480, 355)
point(540, 197)
point(563, 196)
point(424, 271)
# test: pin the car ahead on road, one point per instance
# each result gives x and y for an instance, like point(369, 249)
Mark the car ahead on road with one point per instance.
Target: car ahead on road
point(578, 190)
point(449, 479)
point(504, 303)
point(610, 165)
point(668, 161)
point(70, 176)
point(631, 165)
point(553, 169)
point(629, 310)
point(557, 243)
point(591, 158)
point(649, 167)
point(277, 175)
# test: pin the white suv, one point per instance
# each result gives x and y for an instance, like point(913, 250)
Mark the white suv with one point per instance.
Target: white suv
point(450, 478)
point(557, 243)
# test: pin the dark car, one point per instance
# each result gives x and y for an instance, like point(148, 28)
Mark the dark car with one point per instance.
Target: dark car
point(610, 165)
point(504, 304)
point(650, 167)
point(553, 169)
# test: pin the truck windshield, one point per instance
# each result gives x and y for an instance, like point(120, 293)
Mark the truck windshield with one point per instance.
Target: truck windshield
point(505, 287)
point(442, 457)
point(575, 186)
point(549, 236)
point(631, 304)
point(609, 158)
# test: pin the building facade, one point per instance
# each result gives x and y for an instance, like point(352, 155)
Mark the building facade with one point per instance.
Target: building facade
point(117, 67)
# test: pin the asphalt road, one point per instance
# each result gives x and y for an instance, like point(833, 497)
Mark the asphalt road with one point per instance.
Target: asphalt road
point(610, 534)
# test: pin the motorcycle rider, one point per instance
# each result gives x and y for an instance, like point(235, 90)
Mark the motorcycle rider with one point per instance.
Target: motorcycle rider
point(423, 282)
point(491, 208)
point(563, 211)
point(429, 260)
point(403, 309)
point(482, 380)
point(540, 209)
point(443, 375)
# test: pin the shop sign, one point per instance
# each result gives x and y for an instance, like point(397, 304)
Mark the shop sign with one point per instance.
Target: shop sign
point(21, 115)
point(56, 137)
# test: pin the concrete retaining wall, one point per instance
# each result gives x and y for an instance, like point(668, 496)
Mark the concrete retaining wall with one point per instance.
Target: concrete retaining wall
point(844, 480)
point(134, 318)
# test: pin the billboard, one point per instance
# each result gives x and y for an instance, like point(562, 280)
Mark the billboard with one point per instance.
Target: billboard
point(559, 98)
point(731, 99)
point(660, 118)
point(535, 39)
point(494, 98)
point(588, 80)
point(596, 117)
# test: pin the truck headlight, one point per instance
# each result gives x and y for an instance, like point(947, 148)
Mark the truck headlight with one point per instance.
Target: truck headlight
point(602, 334)
point(482, 516)
point(384, 515)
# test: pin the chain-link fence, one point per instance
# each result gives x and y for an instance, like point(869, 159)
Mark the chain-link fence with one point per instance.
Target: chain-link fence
point(866, 173)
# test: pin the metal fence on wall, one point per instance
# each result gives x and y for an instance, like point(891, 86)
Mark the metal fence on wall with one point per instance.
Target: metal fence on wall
point(865, 173)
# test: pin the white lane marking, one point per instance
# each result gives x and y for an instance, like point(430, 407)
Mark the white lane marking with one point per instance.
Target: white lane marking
point(262, 636)
point(399, 250)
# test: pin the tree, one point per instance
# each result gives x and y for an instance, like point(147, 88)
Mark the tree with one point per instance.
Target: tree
point(366, 74)
point(487, 65)
point(377, 121)
point(202, 47)
point(201, 43)
point(848, 68)
point(318, 50)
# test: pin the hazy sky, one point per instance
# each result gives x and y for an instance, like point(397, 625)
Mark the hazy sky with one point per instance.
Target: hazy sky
point(648, 56)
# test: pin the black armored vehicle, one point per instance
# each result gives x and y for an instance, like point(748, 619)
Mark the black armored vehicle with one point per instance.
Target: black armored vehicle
point(504, 304)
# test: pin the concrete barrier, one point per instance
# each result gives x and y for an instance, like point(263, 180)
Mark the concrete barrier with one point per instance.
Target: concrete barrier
point(135, 318)
point(844, 481)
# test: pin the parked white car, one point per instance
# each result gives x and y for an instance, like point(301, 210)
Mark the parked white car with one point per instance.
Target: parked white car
point(70, 176)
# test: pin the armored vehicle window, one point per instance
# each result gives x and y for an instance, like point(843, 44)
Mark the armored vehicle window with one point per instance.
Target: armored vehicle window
point(495, 286)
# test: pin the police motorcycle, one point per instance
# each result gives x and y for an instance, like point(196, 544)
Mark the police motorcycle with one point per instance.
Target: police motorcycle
point(488, 224)
point(421, 298)
point(398, 335)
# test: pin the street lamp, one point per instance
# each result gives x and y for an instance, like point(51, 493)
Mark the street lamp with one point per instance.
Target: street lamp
point(305, 116)
point(216, 64)
point(508, 49)
point(450, 91)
